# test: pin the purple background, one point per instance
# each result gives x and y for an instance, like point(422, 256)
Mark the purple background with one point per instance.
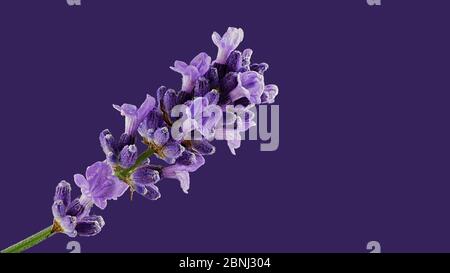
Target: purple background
point(364, 149)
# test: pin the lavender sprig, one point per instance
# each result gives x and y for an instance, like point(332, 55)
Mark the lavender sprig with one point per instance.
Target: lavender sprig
point(214, 102)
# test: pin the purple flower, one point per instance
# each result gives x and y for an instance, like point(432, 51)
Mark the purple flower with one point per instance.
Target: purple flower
point(200, 115)
point(250, 85)
point(246, 59)
point(269, 94)
point(226, 44)
point(118, 153)
point(197, 68)
point(160, 141)
point(238, 119)
point(72, 216)
point(144, 181)
point(100, 184)
point(133, 115)
point(187, 163)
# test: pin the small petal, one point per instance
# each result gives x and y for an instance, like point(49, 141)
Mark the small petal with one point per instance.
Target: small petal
point(154, 120)
point(96, 218)
point(160, 95)
point(79, 208)
point(184, 179)
point(246, 58)
point(107, 142)
point(181, 176)
point(216, 38)
point(250, 85)
point(133, 115)
point(90, 226)
point(269, 94)
point(68, 224)
point(62, 192)
point(187, 158)
point(145, 108)
point(172, 151)
point(128, 156)
point(212, 97)
point(151, 192)
point(58, 209)
point(234, 61)
point(161, 136)
point(124, 140)
point(203, 147)
point(202, 62)
point(145, 175)
point(260, 68)
point(169, 100)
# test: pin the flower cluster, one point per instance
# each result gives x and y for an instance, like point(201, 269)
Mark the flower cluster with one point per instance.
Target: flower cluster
point(214, 102)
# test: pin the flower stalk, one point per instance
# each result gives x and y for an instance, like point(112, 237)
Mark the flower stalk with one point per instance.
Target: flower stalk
point(31, 241)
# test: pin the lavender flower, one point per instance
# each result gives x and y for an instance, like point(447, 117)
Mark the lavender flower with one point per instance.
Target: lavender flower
point(118, 153)
point(226, 44)
point(133, 115)
point(72, 216)
point(144, 181)
point(238, 120)
point(160, 142)
point(186, 164)
point(100, 184)
point(228, 88)
point(198, 67)
point(250, 85)
point(269, 94)
point(201, 115)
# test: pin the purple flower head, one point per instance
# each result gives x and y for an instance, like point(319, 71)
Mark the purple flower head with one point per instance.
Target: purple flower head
point(133, 115)
point(160, 141)
point(187, 163)
point(72, 216)
point(250, 85)
point(227, 43)
point(118, 153)
point(197, 68)
point(269, 94)
point(100, 184)
point(144, 179)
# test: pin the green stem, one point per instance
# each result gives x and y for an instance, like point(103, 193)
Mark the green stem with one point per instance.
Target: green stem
point(30, 241)
point(142, 157)
point(123, 174)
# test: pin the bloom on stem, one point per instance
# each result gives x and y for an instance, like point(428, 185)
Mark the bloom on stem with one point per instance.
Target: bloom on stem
point(100, 184)
point(269, 94)
point(250, 85)
point(226, 44)
point(72, 216)
point(238, 120)
point(187, 163)
point(144, 179)
point(133, 115)
point(197, 68)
